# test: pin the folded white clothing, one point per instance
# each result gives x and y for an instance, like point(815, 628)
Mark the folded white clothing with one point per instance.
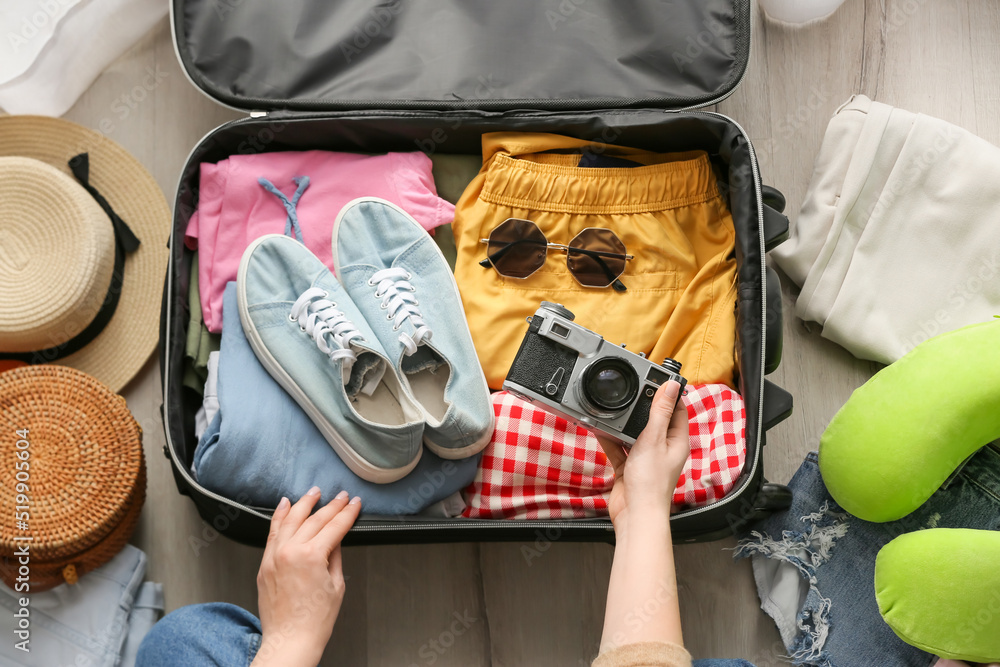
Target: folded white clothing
point(27, 26)
point(446, 508)
point(210, 400)
point(898, 238)
point(81, 46)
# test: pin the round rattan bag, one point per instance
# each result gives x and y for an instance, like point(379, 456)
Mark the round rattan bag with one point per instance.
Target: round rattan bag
point(72, 475)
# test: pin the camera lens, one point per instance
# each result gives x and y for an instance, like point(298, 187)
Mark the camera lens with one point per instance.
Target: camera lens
point(610, 384)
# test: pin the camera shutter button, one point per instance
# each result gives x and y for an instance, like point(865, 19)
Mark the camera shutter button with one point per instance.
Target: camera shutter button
point(558, 309)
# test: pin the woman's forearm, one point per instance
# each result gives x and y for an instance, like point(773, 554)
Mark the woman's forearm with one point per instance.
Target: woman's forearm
point(274, 654)
point(642, 593)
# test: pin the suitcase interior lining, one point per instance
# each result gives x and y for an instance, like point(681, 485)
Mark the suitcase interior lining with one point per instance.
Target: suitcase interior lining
point(456, 54)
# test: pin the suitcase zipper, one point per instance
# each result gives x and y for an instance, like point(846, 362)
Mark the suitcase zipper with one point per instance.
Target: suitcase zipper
point(456, 522)
point(763, 315)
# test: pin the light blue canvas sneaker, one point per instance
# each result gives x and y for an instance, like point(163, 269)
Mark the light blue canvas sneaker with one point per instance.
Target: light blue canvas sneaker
point(311, 338)
point(401, 282)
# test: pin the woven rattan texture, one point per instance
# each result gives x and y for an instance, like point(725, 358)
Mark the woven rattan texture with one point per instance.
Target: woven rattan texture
point(87, 479)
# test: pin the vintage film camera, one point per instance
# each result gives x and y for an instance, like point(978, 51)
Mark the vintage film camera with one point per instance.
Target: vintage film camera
point(576, 374)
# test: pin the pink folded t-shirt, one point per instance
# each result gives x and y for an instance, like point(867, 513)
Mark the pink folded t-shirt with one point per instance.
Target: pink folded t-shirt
point(234, 209)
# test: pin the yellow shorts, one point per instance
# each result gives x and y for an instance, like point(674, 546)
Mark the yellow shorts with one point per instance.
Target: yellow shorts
point(680, 300)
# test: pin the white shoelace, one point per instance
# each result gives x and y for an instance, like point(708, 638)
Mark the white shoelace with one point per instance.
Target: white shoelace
point(319, 317)
point(397, 297)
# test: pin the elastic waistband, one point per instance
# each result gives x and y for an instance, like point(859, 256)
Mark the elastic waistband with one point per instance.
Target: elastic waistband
point(554, 183)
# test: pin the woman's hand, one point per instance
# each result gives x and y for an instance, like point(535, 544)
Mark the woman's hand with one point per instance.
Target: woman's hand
point(642, 593)
point(645, 479)
point(300, 585)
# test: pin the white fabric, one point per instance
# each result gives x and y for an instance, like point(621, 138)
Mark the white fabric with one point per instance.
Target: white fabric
point(210, 401)
point(782, 591)
point(26, 26)
point(898, 238)
point(799, 11)
point(448, 508)
point(397, 298)
point(82, 45)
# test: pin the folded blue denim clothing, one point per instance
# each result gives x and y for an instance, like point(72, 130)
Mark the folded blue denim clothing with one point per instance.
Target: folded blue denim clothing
point(815, 564)
point(99, 621)
point(262, 446)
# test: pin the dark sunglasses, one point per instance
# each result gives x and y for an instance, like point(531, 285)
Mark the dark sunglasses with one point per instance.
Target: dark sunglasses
point(596, 257)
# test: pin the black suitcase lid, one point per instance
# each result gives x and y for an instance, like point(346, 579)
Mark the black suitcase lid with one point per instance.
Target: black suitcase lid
point(490, 55)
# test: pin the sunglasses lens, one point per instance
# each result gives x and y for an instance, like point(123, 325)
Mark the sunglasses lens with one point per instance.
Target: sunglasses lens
point(517, 248)
point(596, 257)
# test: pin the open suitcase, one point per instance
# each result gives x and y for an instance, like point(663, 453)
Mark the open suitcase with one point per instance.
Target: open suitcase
point(383, 75)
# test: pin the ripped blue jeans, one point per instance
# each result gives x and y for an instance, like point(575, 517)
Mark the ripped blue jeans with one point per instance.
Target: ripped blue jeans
point(814, 564)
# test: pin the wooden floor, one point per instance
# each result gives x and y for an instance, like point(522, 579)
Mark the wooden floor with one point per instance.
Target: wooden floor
point(941, 58)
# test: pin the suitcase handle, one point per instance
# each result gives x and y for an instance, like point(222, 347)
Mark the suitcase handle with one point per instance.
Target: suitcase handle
point(777, 406)
point(775, 224)
point(775, 228)
point(772, 197)
point(773, 342)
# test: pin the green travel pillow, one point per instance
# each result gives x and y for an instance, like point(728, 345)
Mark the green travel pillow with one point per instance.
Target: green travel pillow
point(902, 433)
point(939, 590)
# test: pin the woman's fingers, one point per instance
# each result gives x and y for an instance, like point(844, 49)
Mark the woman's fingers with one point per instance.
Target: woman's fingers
point(331, 534)
point(660, 415)
point(662, 409)
point(312, 525)
point(679, 429)
point(280, 512)
point(298, 514)
point(614, 452)
point(337, 565)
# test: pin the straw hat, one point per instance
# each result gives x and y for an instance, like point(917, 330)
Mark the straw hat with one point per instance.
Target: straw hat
point(57, 250)
point(85, 479)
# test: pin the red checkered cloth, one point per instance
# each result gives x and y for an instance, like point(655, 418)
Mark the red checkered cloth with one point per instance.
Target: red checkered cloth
point(538, 466)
